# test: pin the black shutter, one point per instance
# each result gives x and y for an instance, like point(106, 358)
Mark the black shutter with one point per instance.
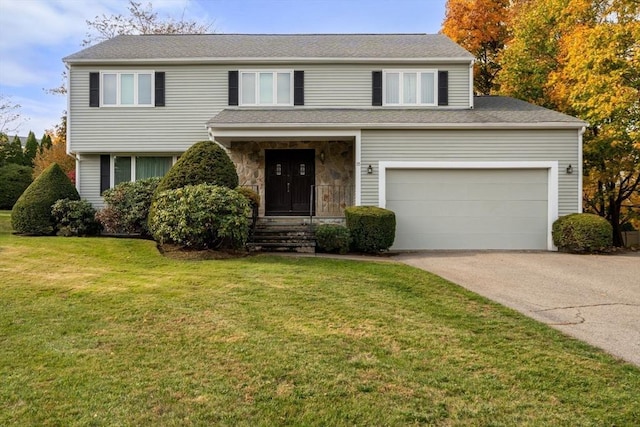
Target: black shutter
point(105, 172)
point(376, 94)
point(94, 89)
point(159, 88)
point(443, 88)
point(298, 88)
point(233, 88)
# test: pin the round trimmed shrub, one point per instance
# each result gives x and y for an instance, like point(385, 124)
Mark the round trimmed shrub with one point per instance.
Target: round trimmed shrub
point(75, 218)
point(201, 217)
point(32, 212)
point(333, 238)
point(372, 229)
point(582, 233)
point(14, 179)
point(127, 207)
point(205, 162)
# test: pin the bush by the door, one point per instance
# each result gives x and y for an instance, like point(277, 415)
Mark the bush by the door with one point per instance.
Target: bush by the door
point(372, 229)
point(201, 217)
point(582, 233)
point(333, 238)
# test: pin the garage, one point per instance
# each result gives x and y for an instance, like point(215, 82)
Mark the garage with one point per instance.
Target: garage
point(463, 207)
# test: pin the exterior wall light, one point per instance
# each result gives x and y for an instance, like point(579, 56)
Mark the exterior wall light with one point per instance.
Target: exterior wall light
point(370, 170)
point(322, 157)
point(569, 169)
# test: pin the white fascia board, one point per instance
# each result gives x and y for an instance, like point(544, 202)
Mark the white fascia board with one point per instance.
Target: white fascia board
point(250, 132)
point(552, 178)
point(218, 127)
point(277, 60)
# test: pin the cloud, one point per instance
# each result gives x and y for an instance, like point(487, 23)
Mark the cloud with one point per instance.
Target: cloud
point(38, 115)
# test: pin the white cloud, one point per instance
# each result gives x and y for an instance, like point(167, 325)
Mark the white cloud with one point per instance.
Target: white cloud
point(39, 116)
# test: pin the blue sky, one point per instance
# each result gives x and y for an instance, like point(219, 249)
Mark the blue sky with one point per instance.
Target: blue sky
point(36, 34)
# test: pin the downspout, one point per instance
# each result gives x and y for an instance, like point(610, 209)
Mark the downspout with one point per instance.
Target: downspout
point(580, 167)
point(471, 83)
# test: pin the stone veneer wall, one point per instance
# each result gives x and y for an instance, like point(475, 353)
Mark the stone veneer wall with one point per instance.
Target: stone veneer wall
point(337, 170)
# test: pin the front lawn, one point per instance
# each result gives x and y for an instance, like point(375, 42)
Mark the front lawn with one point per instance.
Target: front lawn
point(97, 331)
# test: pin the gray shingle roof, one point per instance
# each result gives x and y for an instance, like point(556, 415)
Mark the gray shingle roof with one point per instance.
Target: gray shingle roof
point(488, 110)
point(271, 46)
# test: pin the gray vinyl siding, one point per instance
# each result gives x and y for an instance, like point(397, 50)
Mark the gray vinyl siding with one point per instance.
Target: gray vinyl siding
point(196, 93)
point(473, 145)
point(193, 94)
point(89, 182)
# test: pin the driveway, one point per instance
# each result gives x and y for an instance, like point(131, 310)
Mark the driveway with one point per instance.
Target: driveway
point(595, 298)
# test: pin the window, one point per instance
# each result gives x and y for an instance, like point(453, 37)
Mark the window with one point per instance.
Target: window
point(266, 87)
point(132, 168)
point(410, 87)
point(127, 88)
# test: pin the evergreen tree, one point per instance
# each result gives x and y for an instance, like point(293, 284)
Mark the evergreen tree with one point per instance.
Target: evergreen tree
point(13, 152)
point(30, 149)
point(45, 142)
point(4, 142)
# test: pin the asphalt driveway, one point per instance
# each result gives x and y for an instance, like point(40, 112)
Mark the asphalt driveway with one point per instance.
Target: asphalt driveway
point(595, 298)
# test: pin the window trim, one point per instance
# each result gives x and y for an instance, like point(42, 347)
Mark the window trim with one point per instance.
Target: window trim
point(136, 74)
point(257, 87)
point(112, 165)
point(401, 72)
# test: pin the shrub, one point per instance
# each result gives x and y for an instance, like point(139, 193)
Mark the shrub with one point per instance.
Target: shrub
point(251, 195)
point(333, 238)
point(75, 218)
point(582, 233)
point(32, 212)
point(201, 217)
point(128, 206)
point(205, 162)
point(372, 229)
point(14, 179)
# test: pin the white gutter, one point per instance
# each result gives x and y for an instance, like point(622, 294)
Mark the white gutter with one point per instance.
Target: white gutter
point(256, 126)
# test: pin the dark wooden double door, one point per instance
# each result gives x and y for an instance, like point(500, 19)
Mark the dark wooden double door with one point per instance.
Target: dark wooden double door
point(289, 177)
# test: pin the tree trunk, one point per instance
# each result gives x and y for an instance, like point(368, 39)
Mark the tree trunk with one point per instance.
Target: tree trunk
point(614, 220)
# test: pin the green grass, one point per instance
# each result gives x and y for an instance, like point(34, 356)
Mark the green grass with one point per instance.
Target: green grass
point(100, 331)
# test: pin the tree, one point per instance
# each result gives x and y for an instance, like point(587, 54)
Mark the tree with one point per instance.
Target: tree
point(140, 20)
point(31, 149)
point(45, 141)
point(581, 57)
point(57, 153)
point(13, 152)
point(480, 26)
point(10, 116)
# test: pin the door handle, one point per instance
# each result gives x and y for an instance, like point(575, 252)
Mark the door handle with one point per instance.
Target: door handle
point(288, 185)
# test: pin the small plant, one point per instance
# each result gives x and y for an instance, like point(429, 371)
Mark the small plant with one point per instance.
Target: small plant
point(75, 218)
point(128, 206)
point(333, 238)
point(372, 229)
point(582, 233)
point(201, 217)
point(14, 179)
point(32, 212)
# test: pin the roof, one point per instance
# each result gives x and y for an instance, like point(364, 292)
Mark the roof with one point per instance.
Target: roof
point(219, 47)
point(493, 111)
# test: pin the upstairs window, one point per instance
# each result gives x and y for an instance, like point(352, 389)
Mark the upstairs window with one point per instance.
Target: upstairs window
point(126, 89)
point(410, 87)
point(266, 87)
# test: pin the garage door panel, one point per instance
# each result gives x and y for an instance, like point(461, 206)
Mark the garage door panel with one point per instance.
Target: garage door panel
point(469, 209)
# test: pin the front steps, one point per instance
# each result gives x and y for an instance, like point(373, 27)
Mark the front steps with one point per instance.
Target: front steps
point(283, 234)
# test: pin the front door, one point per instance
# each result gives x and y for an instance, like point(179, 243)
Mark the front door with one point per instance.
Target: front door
point(288, 180)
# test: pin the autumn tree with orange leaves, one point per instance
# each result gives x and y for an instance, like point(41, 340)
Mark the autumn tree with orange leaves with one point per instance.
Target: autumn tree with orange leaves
point(480, 26)
point(579, 57)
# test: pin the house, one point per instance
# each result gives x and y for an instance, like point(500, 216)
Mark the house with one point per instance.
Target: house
point(315, 123)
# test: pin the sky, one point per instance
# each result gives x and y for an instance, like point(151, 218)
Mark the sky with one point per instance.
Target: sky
point(36, 34)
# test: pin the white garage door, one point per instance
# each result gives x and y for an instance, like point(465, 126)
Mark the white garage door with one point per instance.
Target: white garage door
point(469, 208)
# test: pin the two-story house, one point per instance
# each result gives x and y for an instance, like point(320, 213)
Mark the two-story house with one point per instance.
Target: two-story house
point(315, 123)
